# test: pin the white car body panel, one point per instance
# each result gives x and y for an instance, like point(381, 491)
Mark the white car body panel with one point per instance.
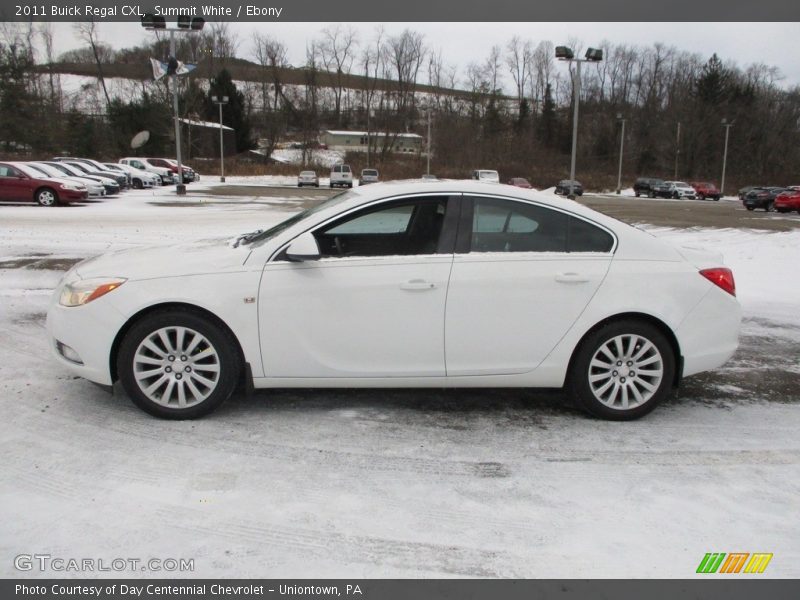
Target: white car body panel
point(350, 322)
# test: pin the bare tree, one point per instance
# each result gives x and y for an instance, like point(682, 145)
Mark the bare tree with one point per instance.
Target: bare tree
point(518, 60)
point(272, 55)
point(87, 31)
point(337, 48)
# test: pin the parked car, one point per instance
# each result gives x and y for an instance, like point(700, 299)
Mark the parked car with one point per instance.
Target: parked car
point(139, 179)
point(307, 178)
point(564, 186)
point(743, 191)
point(110, 185)
point(94, 188)
point(88, 169)
point(485, 175)
point(166, 175)
point(341, 176)
point(705, 189)
point(417, 284)
point(189, 174)
point(762, 197)
point(19, 183)
point(673, 189)
point(788, 200)
point(368, 176)
point(645, 186)
point(102, 168)
point(520, 182)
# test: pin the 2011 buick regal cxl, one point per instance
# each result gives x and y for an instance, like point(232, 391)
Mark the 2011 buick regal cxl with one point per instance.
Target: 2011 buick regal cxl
point(406, 284)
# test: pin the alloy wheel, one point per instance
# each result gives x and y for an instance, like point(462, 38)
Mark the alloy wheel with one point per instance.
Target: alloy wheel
point(625, 372)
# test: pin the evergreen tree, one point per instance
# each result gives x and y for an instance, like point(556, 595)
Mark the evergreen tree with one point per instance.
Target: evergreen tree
point(233, 113)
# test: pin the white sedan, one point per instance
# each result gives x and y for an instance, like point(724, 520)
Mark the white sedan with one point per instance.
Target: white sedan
point(416, 284)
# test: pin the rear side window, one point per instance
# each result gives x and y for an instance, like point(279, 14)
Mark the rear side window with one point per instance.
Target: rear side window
point(585, 237)
point(337, 169)
point(509, 226)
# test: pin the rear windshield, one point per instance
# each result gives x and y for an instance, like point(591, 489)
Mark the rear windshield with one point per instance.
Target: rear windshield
point(369, 172)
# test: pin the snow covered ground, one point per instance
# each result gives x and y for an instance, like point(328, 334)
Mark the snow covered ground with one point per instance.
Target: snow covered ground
point(391, 483)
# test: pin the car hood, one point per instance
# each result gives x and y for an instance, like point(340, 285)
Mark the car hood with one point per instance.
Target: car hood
point(193, 258)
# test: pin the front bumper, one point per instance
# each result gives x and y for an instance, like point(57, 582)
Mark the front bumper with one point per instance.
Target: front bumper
point(87, 331)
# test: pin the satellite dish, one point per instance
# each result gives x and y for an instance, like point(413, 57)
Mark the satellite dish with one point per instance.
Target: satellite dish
point(140, 139)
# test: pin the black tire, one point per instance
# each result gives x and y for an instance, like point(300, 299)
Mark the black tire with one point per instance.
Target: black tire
point(701, 197)
point(350, 185)
point(751, 208)
point(652, 194)
point(636, 194)
point(768, 207)
point(47, 197)
point(316, 185)
point(715, 198)
point(217, 337)
point(137, 184)
point(781, 210)
point(579, 386)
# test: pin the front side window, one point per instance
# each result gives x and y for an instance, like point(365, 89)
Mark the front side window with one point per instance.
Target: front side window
point(510, 226)
point(404, 227)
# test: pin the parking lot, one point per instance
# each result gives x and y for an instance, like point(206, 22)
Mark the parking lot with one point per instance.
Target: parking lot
point(398, 483)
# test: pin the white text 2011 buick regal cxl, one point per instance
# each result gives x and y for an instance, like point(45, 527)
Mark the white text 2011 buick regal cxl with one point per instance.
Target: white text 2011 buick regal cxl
point(404, 284)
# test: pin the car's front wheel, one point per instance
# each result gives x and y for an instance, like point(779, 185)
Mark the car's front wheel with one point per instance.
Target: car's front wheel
point(622, 370)
point(176, 364)
point(46, 197)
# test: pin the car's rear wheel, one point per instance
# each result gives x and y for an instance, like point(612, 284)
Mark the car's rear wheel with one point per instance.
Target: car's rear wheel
point(768, 207)
point(652, 194)
point(622, 370)
point(46, 197)
point(176, 364)
point(701, 197)
point(750, 207)
point(137, 184)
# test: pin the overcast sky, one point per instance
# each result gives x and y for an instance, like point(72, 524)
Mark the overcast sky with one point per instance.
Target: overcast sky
point(774, 44)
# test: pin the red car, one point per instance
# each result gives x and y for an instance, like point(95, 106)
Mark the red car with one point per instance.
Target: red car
point(520, 182)
point(21, 184)
point(789, 200)
point(704, 190)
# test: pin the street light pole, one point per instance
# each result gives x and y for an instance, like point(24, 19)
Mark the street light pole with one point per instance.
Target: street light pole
point(727, 125)
point(186, 24)
point(621, 148)
point(592, 55)
point(429, 141)
point(180, 189)
point(677, 149)
point(221, 102)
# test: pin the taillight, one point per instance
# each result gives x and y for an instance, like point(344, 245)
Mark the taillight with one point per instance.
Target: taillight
point(722, 278)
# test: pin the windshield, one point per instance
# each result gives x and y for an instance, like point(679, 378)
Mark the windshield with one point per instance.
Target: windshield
point(261, 235)
point(369, 172)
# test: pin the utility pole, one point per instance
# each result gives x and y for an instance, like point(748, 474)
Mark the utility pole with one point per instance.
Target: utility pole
point(677, 149)
point(221, 102)
point(621, 148)
point(727, 125)
point(429, 141)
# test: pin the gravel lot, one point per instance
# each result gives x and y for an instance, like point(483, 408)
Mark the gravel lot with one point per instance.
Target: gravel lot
point(395, 483)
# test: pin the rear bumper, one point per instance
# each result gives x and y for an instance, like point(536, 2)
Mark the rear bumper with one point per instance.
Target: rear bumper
point(709, 335)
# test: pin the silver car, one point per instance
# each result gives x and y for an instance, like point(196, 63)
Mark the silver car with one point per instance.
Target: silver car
point(307, 178)
point(369, 176)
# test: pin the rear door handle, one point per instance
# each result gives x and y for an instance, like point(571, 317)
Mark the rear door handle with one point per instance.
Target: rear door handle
point(571, 278)
point(417, 284)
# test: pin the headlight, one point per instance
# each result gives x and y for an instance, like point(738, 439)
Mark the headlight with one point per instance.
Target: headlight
point(84, 291)
point(73, 186)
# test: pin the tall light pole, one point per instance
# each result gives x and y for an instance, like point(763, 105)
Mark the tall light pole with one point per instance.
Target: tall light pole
point(221, 102)
point(727, 125)
point(429, 142)
point(677, 149)
point(186, 24)
point(622, 120)
point(567, 54)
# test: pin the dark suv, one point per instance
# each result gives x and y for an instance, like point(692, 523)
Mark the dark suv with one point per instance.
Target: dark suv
point(646, 186)
point(762, 197)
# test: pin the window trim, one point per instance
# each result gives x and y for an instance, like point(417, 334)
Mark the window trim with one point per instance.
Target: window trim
point(464, 238)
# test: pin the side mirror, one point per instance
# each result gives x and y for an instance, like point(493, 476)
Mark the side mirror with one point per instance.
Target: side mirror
point(303, 248)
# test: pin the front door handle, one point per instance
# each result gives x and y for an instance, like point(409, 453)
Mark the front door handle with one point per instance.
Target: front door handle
point(571, 278)
point(418, 285)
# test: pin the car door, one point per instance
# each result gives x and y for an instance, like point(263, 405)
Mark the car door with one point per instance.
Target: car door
point(14, 185)
point(372, 305)
point(522, 274)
